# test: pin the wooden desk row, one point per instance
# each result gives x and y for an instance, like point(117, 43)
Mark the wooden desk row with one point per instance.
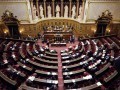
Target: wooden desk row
point(44, 56)
point(37, 71)
point(77, 79)
point(20, 51)
point(24, 66)
point(46, 81)
point(41, 65)
point(111, 76)
point(37, 64)
point(52, 36)
point(117, 40)
point(51, 54)
point(20, 74)
point(103, 69)
point(20, 40)
point(58, 44)
point(118, 47)
point(46, 61)
point(78, 64)
point(12, 82)
point(73, 60)
point(46, 73)
point(49, 57)
point(89, 45)
point(81, 50)
point(112, 52)
point(90, 87)
point(71, 66)
point(55, 32)
point(25, 87)
point(5, 49)
point(40, 59)
point(96, 47)
point(28, 51)
point(74, 72)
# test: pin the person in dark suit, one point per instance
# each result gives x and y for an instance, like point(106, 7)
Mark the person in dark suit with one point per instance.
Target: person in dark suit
point(48, 42)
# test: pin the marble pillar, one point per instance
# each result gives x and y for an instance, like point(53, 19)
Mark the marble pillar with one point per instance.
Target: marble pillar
point(83, 4)
point(31, 6)
point(45, 14)
point(77, 8)
point(61, 8)
point(53, 7)
point(70, 5)
point(38, 8)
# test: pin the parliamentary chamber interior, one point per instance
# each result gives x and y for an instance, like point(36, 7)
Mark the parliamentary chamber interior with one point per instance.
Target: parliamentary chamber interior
point(59, 44)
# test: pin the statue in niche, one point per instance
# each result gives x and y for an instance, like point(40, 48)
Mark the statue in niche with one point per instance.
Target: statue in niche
point(80, 12)
point(35, 12)
point(66, 11)
point(57, 11)
point(49, 11)
point(41, 11)
point(73, 11)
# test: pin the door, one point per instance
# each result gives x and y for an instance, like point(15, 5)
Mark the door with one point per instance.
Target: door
point(14, 31)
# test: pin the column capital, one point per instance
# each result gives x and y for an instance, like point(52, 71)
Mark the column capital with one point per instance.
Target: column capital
point(44, 0)
point(70, 0)
point(53, 0)
point(37, 0)
point(77, 0)
point(61, 0)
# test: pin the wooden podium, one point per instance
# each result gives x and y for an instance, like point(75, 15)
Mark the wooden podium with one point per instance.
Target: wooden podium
point(57, 35)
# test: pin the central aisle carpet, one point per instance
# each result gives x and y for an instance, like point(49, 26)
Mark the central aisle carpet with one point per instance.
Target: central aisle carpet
point(58, 49)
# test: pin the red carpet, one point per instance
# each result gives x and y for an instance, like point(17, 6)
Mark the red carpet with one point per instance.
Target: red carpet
point(58, 49)
point(60, 75)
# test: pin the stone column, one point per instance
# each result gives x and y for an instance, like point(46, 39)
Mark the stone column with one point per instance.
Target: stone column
point(31, 6)
point(83, 11)
point(37, 8)
point(53, 8)
point(45, 8)
point(70, 5)
point(29, 10)
point(62, 8)
point(77, 11)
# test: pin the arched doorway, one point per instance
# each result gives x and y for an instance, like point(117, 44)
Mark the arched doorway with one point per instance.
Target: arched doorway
point(102, 22)
point(12, 24)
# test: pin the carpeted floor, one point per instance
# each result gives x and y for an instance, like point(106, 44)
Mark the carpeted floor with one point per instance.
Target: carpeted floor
point(58, 49)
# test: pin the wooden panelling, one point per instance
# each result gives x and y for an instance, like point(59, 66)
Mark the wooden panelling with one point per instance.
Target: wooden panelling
point(79, 29)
